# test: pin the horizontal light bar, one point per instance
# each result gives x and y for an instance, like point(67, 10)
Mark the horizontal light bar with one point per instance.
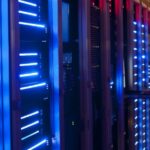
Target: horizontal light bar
point(28, 54)
point(28, 64)
point(30, 125)
point(28, 74)
point(32, 24)
point(27, 13)
point(33, 86)
point(27, 3)
point(38, 144)
point(30, 135)
point(30, 115)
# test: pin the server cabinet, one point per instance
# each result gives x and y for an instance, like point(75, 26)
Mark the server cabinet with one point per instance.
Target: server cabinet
point(71, 75)
point(136, 60)
point(35, 82)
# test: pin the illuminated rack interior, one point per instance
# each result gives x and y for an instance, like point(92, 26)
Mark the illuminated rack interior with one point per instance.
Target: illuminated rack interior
point(33, 79)
point(141, 124)
point(140, 56)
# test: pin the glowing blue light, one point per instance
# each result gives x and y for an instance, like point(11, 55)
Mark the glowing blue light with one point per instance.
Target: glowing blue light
point(142, 25)
point(135, 40)
point(28, 64)
point(135, 23)
point(134, 31)
point(135, 83)
point(143, 71)
point(143, 79)
point(30, 115)
point(30, 125)
point(135, 100)
point(32, 24)
point(38, 144)
point(143, 49)
point(135, 49)
point(135, 57)
point(27, 13)
point(143, 41)
point(135, 74)
point(33, 86)
point(28, 54)
point(27, 3)
point(29, 74)
point(135, 66)
point(143, 56)
point(30, 135)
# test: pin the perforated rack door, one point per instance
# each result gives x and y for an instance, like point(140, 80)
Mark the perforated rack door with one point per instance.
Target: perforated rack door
point(33, 74)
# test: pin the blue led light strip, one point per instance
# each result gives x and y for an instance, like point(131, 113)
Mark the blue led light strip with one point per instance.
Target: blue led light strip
point(33, 86)
point(38, 144)
point(30, 115)
point(32, 24)
point(28, 64)
point(27, 13)
point(30, 125)
point(27, 3)
point(28, 74)
point(147, 124)
point(136, 121)
point(28, 54)
point(30, 135)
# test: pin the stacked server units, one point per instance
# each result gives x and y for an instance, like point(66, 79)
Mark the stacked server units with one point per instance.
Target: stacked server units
point(30, 88)
point(33, 74)
point(136, 50)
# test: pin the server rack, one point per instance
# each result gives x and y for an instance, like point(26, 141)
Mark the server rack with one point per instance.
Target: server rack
point(35, 81)
point(137, 97)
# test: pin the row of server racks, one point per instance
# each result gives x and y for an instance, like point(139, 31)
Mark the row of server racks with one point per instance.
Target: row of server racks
point(74, 75)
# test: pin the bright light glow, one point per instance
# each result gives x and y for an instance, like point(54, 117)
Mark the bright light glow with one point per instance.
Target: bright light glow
point(30, 125)
point(142, 25)
point(135, 23)
point(135, 40)
point(135, 49)
point(27, 13)
point(135, 83)
point(28, 54)
point(135, 66)
point(135, 100)
point(143, 41)
point(33, 86)
point(136, 126)
point(28, 64)
point(135, 57)
point(28, 74)
point(136, 143)
point(27, 3)
point(135, 74)
point(30, 135)
point(38, 144)
point(32, 24)
point(30, 115)
point(143, 79)
point(143, 56)
point(134, 31)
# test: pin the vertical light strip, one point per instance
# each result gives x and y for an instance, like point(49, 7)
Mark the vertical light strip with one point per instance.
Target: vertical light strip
point(135, 56)
point(136, 135)
point(140, 124)
point(54, 73)
point(147, 124)
point(5, 73)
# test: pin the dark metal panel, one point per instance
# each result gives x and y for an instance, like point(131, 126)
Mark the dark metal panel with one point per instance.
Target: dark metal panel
point(105, 77)
point(14, 71)
point(85, 76)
